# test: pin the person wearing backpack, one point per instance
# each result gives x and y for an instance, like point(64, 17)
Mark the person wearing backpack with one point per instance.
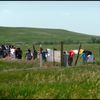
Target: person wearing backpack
point(18, 53)
point(28, 55)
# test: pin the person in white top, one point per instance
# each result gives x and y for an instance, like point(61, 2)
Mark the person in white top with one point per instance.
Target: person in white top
point(12, 52)
point(90, 58)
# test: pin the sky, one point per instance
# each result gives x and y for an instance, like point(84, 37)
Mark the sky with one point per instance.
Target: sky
point(77, 16)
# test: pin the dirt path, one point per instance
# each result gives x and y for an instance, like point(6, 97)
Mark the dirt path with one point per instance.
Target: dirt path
point(26, 69)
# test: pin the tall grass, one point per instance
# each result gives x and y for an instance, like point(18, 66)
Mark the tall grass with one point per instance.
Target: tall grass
point(55, 83)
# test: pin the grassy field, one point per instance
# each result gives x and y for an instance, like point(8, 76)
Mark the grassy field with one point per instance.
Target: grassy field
point(20, 79)
point(54, 82)
point(33, 35)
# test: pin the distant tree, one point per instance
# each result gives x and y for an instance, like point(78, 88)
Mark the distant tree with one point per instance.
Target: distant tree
point(98, 41)
point(93, 39)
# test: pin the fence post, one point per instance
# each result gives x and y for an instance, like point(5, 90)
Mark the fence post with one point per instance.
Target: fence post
point(33, 50)
point(99, 52)
point(62, 53)
point(53, 58)
point(77, 55)
point(40, 55)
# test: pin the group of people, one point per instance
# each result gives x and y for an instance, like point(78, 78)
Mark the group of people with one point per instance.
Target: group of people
point(10, 51)
point(86, 56)
point(36, 54)
point(68, 58)
point(31, 55)
point(16, 53)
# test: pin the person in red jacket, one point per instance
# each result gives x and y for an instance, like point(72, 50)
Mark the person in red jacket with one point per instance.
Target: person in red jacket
point(70, 57)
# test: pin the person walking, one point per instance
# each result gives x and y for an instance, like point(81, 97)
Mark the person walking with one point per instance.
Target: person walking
point(18, 53)
point(70, 57)
point(65, 58)
point(28, 55)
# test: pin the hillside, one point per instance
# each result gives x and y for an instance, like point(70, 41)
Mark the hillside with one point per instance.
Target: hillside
point(30, 35)
point(20, 79)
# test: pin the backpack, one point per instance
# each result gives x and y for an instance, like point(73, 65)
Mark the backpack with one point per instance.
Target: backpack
point(28, 56)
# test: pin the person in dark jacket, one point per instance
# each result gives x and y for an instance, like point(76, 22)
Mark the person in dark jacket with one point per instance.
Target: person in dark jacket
point(18, 53)
point(65, 58)
point(28, 54)
point(1, 53)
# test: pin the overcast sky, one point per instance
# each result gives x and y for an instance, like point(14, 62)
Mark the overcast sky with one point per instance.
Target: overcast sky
point(77, 16)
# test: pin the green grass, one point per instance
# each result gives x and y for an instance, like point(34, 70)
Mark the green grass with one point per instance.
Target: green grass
point(33, 35)
point(26, 80)
point(55, 83)
point(20, 79)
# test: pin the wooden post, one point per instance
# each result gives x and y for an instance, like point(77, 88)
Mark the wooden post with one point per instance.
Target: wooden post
point(33, 51)
point(40, 59)
point(40, 55)
point(99, 52)
point(53, 58)
point(78, 55)
point(62, 53)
